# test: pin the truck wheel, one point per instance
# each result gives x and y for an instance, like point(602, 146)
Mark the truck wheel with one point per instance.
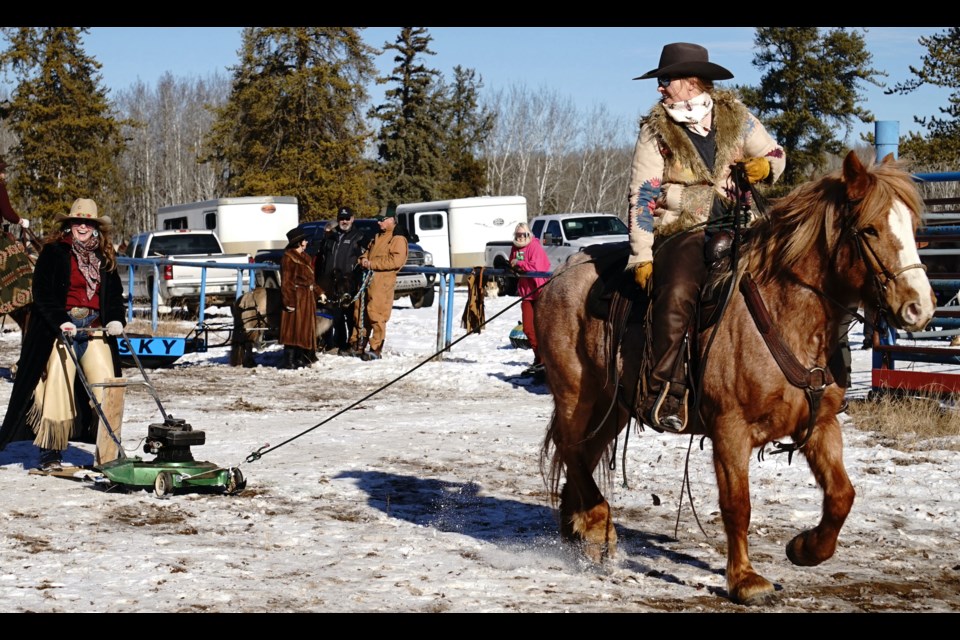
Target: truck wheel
point(160, 301)
point(512, 282)
point(501, 285)
point(422, 298)
point(506, 286)
point(270, 281)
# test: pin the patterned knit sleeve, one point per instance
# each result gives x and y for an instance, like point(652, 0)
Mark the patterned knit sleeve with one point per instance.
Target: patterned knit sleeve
point(646, 174)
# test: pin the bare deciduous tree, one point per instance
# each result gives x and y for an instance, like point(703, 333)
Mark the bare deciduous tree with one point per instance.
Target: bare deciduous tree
point(560, 159)
point(161, 165)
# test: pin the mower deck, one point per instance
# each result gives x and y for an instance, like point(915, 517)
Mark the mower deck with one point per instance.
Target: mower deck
point(166, 477)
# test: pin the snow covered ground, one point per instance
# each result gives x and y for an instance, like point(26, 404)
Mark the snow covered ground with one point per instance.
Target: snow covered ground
point(412, 485)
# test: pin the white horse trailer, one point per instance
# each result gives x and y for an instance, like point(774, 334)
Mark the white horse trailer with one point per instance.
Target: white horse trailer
point(457, 231)
point(244, 225)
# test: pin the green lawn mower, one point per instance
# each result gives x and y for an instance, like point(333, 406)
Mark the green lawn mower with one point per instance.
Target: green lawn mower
point(173, 468)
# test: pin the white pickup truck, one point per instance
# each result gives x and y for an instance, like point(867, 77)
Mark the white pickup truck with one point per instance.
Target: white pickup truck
point(562, 235)
point(180, 284)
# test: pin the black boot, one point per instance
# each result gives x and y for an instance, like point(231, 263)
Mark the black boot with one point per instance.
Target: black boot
point(289, 358)
point(50, 460)
point(304, 358)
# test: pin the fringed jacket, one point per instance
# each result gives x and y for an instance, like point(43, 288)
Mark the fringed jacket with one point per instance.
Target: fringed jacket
point(671, 188)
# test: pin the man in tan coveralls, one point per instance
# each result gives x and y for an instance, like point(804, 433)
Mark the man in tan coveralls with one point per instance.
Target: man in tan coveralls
point(385, 256)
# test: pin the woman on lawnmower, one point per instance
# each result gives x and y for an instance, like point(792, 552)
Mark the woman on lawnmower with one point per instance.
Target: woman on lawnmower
point(76, 289)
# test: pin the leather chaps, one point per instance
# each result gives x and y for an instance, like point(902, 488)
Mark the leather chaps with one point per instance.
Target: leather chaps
point(678, 273)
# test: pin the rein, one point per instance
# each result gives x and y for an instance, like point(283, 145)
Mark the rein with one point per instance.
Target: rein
point(813, 381)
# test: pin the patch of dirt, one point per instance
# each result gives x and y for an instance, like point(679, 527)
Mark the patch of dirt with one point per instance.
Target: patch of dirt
point(148, 515)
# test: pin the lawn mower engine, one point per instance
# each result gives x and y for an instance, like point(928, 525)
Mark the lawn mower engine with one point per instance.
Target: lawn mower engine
point(171, 441)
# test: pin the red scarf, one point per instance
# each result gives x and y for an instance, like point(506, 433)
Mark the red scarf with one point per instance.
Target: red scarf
point(89, 263)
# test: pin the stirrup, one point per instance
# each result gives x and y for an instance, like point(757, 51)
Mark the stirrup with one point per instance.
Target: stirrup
point(674, 423)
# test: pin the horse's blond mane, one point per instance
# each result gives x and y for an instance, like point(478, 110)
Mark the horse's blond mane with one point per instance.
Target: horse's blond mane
point(795, 223)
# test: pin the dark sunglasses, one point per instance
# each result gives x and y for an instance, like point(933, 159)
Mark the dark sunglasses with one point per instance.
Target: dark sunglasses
point(521, 235)
point(664, 81)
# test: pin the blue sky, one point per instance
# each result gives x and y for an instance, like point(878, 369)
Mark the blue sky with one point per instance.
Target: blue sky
point(590, 65)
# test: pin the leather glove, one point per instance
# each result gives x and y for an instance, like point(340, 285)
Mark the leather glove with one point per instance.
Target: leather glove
point(69, 329)
point(114, 328)
point(291, 309)
point(24, 223)
point(757, 169)
point(642, 274)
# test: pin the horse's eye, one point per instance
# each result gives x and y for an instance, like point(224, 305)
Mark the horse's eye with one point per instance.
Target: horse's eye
point(870, 231)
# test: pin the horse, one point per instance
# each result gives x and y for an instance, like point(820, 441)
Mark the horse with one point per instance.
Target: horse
point(256, 320)
point(17, 260)
point(822, 250)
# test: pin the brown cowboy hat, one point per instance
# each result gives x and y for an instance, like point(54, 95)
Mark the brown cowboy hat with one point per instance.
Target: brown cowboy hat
point(84, 210)
point(686, 60)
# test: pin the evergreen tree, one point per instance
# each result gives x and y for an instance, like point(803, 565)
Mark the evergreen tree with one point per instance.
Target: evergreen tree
point(810, 90)
point(293, 123)
point(67, 138)
point(467, 126)
point(941, 68)
point(409, 141)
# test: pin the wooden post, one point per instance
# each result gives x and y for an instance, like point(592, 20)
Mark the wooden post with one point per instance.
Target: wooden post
point(107, 448)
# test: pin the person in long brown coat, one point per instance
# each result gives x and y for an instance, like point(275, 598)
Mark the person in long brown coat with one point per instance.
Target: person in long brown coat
point(385, 256)
point(298, 321)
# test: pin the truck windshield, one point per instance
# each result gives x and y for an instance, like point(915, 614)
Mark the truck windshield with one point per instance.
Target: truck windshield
point(576, 228)
point(184, 244)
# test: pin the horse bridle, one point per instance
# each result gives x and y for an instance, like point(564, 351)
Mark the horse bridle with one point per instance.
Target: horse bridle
point(814, 380)
point(881, 274)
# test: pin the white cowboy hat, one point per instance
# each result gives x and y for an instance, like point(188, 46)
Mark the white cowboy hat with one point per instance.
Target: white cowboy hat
point(84, 210)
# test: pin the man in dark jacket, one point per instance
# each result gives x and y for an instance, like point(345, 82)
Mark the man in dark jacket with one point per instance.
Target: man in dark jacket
point(338, 275)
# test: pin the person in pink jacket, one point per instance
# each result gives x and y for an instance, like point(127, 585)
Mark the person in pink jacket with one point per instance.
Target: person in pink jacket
point(527, 255)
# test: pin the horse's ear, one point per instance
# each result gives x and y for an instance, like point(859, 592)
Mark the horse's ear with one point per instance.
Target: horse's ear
point(888, 158)
point(856, 177)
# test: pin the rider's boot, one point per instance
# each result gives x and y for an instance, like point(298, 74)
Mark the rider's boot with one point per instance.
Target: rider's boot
point(678, 272)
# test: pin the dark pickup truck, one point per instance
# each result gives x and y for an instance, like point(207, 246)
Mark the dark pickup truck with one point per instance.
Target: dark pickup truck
point(419, 286)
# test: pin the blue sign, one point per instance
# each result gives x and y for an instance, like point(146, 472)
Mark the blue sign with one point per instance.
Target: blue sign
point(146, 347)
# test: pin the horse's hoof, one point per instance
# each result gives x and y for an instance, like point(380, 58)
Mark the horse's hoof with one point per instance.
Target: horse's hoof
point(753, 591)
point(762, 599)
point(801, 553)
point(598, 553)
point(594, 528)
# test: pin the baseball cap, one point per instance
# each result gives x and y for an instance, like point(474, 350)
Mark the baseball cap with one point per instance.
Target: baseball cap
point(345, 213)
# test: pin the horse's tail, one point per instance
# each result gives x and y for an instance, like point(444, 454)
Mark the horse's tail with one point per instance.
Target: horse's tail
point(551, 462)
